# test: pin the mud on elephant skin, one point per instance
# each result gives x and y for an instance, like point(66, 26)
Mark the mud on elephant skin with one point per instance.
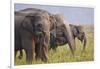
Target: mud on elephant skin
point(28, 24)
point(58, 38)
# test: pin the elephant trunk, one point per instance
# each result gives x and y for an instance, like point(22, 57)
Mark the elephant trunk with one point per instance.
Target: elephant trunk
point(84, 42)
point(69, 38)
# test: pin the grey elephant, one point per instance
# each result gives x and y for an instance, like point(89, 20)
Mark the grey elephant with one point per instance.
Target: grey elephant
point(31, 26)
point(58, 37)
point(61, 29)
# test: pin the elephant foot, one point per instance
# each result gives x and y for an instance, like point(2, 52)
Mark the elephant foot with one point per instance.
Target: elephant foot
point(44, 59)
point(37, 58)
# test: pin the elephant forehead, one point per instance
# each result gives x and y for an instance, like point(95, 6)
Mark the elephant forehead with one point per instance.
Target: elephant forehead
point(42, 14)
point(45, 16)
point(59, 16)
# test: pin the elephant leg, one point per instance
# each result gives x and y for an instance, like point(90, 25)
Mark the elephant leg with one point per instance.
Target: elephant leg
point(72, 47)
point(53, 43)
point(37, 49)
point(21, 54)
point(29, 56)
point(53, 46)
point(15, 53)
point(27, 45)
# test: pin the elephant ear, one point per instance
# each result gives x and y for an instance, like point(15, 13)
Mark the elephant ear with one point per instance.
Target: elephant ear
point(52, 22)
point(80, 29)
point(27, 24)
point(74, 30)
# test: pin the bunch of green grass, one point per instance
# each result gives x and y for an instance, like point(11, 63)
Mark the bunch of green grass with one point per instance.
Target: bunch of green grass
point(63, 53)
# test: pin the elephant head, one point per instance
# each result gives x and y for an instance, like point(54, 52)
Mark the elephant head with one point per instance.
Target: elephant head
point(78, 32)
point(41, 30)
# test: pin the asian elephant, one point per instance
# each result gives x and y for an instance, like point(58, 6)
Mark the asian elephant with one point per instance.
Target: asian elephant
point(63, 30)
point(59, 39)
point(79, 33)
point(29, 25)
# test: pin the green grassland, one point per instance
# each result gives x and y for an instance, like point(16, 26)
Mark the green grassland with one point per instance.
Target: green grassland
point(63, 53)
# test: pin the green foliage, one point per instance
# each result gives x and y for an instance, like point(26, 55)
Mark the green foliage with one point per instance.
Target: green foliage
point(63, 53)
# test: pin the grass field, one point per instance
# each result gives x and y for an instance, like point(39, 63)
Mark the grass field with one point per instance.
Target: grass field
point(63, 53)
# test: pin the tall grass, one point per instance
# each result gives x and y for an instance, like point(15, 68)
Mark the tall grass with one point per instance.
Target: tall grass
point(63, 53)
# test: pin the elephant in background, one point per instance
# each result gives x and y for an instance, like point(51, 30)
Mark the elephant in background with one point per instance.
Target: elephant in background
point(61, 29)
point(57, 37)
point(79, 32)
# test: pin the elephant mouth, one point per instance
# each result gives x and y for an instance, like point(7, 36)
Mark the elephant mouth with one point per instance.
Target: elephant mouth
point(39, 35)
